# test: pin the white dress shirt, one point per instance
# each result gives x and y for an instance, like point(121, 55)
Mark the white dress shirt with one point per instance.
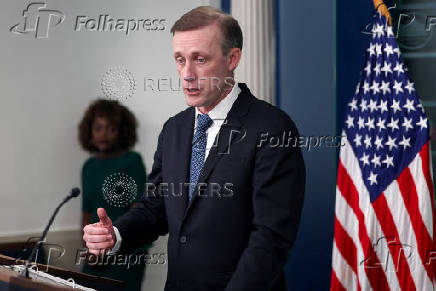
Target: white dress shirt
point(218, 114)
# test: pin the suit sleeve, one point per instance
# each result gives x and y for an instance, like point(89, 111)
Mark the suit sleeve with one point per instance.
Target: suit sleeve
point(147, 220)
point(278, 193)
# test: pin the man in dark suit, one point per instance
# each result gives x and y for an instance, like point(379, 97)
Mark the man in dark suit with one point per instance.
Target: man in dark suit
point(227, 181)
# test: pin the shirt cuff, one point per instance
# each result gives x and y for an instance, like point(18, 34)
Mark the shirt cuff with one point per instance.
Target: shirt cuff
point(117, 245)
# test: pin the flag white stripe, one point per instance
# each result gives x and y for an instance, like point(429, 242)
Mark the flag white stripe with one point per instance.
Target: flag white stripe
point(344, 272)
point(423, 194)
point(406, 235)
point(347, 218)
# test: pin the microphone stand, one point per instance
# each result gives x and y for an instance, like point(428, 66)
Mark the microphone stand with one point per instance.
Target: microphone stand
point(25, 272)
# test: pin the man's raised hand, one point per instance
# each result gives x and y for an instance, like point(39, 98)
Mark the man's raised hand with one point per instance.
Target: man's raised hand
point(99, 236)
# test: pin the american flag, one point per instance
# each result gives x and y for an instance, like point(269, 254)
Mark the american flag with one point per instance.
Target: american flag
point(384, 216)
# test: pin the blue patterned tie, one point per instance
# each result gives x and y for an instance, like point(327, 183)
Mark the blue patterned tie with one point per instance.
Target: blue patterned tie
point(198, 150)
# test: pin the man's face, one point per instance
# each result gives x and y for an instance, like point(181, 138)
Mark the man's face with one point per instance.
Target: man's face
point(204, 71)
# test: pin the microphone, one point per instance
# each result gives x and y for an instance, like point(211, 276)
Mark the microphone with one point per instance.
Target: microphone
point(25, 272)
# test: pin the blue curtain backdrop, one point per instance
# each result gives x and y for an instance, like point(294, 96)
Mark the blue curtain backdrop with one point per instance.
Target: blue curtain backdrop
point(351, 46)
point(306, 91)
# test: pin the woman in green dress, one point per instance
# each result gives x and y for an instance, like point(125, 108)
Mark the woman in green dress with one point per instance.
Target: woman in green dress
point(113, 178)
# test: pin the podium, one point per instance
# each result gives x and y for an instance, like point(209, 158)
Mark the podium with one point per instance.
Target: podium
point(9, 279)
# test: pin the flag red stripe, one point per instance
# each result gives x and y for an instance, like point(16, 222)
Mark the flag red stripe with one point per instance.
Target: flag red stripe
point(387, 224)
point(376, 275)
point(425, 158)
point(410, 197)
point(424, 154)
point(346, 246)
point(335, 284)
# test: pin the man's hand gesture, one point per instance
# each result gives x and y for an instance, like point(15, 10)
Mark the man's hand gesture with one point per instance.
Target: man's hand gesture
point(100, 236)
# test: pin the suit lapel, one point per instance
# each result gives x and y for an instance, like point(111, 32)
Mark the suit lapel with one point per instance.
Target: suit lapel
point(229, 132)
point(183, 158)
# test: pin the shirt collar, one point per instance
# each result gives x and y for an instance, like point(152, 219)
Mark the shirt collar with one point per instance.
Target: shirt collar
point(220, 111)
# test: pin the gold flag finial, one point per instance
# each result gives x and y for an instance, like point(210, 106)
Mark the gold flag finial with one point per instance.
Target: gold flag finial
point(383, 9)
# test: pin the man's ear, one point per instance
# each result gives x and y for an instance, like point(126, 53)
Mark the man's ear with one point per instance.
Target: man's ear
point(233, 58)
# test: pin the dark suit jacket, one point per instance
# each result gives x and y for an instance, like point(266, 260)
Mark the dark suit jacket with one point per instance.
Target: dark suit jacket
point(238, 229)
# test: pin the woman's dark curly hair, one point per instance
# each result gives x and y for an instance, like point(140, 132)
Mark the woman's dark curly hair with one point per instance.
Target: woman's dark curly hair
point(118, 115)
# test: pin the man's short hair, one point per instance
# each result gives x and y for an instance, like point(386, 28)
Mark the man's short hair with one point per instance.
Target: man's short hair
point(206, 15)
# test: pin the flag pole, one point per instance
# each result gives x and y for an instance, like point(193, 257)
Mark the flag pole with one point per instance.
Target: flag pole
point(381, 7)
